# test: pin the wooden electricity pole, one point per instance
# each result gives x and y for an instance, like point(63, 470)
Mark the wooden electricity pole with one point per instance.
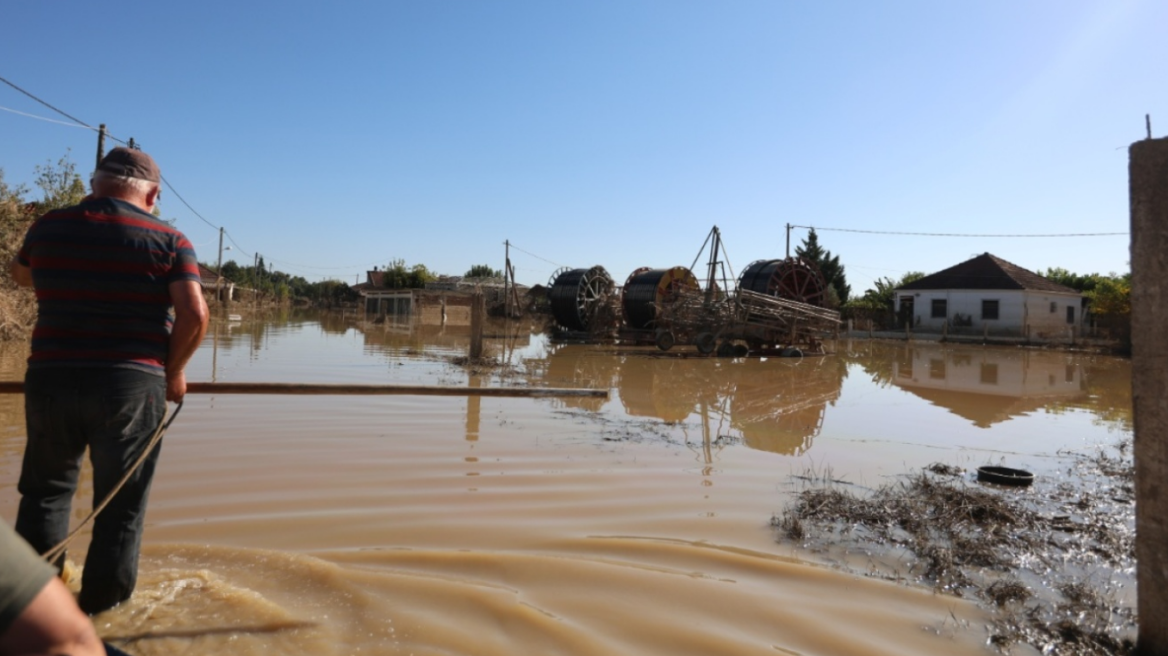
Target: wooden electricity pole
point(100, 145)
point(1148, 189)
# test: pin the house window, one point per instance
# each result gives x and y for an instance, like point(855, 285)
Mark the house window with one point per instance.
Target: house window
point(940, 308)
point(1071, 314)
point(1053, 307)
point(989, 373)
point(989, 310)
point(937, 369)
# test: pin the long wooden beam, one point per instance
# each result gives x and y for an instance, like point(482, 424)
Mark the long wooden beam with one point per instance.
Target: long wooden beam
point(17, 387)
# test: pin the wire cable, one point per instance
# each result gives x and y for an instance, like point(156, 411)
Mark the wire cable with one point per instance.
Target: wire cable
point(960, 234)
point(46, 119)
point(71, 118)
point(557, 264)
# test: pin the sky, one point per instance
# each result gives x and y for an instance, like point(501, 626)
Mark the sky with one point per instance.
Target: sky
point(330, 138)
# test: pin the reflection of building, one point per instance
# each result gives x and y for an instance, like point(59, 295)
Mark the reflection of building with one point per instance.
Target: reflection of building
point(987, 386)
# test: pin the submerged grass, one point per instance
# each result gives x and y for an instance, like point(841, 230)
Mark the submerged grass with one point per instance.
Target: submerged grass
point(1052, 562)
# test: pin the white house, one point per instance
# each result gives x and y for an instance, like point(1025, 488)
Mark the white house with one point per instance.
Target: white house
point(990, 295)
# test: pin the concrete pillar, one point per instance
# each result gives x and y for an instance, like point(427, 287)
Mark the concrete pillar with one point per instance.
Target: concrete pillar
point(1148, 188)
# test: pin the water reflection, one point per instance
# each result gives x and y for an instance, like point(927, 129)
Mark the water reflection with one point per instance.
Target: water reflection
point(779, 405)
point(775, 405)
point(988, 386)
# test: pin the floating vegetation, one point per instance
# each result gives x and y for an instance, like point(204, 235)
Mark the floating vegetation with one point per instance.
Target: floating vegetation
point(1055, 562)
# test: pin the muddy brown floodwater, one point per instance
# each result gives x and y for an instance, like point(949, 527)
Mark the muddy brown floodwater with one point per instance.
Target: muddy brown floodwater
point(637, 525)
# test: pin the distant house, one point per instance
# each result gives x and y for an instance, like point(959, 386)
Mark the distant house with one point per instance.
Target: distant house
point(988, 294)
point(443, 301)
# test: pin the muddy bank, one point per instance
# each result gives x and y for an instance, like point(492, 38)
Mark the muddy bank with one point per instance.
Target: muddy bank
point(1053, 561)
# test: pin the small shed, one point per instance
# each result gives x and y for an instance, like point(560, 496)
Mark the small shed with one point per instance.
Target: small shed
point(989, 295)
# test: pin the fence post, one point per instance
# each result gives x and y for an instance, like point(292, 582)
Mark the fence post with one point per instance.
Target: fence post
point(1148, 190)
point(478, 311)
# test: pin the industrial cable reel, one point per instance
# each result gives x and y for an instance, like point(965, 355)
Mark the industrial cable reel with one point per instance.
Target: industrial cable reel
point(577, 295)
point(793, 278)
point(646, 289)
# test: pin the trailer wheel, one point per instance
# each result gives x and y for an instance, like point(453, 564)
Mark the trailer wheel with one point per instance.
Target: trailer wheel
point(665, 340)
point(726, 349)
point(706, 342)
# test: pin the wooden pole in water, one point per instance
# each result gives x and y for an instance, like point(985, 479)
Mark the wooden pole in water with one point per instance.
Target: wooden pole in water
point(478, 312)
point(321, 389)
point(1148, 189)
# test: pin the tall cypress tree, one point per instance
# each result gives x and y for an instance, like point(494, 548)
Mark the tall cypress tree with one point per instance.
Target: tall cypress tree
point(829, 266)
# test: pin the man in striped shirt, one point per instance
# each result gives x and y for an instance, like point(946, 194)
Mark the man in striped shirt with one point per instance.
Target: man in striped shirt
point(120, 311)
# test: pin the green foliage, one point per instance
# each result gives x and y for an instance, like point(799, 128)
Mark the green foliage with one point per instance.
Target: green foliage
point(398, 276)
point(882, 295)
point(60, 183)
point(483, 271)
point(1079, 283)
point(1111, 296)
point(829, 266)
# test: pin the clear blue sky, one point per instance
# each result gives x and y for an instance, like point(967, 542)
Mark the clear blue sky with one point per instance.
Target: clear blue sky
point(332, 137)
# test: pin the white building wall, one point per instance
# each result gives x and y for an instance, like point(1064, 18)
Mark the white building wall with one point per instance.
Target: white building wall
point(1017, 309)
point(1047, 312)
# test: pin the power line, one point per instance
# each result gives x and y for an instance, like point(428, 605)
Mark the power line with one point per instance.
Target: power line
point(958, 234)
point(536, 256)
point(235, 243)
point(184, 202)
point(75, 120)
point(43, 118)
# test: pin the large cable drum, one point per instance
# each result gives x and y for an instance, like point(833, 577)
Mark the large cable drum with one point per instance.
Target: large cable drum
point(575, 295)
point(646, 288)
point(793, 278)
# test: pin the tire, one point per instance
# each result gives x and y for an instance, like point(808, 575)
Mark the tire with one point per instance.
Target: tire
point(665, 340)
point(706, 342)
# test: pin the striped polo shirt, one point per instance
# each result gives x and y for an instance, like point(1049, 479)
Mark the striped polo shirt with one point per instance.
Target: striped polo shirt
point(101, 271)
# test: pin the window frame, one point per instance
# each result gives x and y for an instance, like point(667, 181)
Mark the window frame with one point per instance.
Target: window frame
point(997, 307)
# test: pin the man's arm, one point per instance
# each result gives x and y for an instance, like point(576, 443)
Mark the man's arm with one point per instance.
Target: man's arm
point(20, 273)
point(52, 624)
point(190, 324)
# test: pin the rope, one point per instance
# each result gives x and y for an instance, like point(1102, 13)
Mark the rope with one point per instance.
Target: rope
point(56, 551)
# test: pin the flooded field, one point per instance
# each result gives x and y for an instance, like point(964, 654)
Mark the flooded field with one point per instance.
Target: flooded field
point(636, 525)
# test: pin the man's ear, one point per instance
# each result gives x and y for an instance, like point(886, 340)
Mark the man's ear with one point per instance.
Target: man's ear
point(152, 197)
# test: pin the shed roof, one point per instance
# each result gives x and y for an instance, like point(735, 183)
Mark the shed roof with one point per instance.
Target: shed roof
point(987, 272)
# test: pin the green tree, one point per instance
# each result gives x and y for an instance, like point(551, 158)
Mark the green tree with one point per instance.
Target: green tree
point(829, 266)
point(60, 183)
point(483, 271)
point(1079, 283)
point(398, 276)
point(882, 294)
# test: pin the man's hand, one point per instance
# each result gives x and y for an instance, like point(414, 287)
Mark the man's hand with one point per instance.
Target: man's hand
point(20, 273)
point(190, 324)
point(176, 387)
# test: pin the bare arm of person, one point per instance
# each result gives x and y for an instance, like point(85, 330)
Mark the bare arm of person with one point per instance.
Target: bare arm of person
point(190, 324)
point(20, 273)
point(52, 624)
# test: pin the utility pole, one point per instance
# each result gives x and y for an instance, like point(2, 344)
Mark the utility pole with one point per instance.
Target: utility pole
point(788, 240)
point(255, 273)
point(219, 267)
point(100, 145)
point(1148, 197)
point(506, 277)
